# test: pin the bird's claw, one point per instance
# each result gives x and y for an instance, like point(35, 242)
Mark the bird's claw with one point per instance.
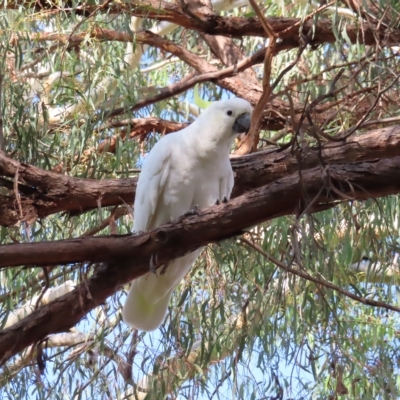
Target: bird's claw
point(164, 269)
point(224, 200)
point(153, 264)
point(193, 211)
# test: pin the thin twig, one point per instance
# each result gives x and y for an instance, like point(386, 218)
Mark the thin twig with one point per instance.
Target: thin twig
point(93, 13)
point(348, 133)
point(115, 214)
point(290, 66)
point(251, 140)
point(305, 275)
point(40, 58)
point(185, 84)
point(308, 17)
point(380, 121)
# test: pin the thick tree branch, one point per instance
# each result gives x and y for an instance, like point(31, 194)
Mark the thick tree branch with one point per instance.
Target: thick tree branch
point(43, 193)
point(128, 257)
point(225, 26)
point(31, 305)
point(57, 192)
point(358, 181)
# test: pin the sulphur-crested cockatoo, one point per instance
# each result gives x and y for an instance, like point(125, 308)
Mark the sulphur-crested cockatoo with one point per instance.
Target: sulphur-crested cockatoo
point(184, 169)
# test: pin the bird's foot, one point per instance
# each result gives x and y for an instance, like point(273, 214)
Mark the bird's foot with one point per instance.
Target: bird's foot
point(224, 200)
point(153, 264)
point(164, 268)
point(137, 233)
point(193, 211)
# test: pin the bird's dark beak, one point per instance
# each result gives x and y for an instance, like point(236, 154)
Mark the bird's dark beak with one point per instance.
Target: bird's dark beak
point(242, 123)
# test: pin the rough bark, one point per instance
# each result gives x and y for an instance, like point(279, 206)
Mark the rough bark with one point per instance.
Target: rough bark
point(43, 193)
point(284, 28)
point(358, 180)
point(128, 257)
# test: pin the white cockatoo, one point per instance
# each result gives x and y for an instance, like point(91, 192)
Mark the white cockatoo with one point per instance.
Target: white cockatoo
point(185, 169)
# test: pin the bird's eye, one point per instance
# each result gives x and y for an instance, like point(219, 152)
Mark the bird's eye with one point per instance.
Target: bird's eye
point(229, 112)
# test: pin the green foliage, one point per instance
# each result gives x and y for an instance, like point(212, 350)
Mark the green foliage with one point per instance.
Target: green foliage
point(238, 326)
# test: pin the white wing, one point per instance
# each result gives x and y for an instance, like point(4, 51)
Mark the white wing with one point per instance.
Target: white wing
point(151, 184)
point(161, 195)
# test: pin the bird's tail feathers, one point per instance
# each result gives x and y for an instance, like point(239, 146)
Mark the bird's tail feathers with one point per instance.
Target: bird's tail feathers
point(149, 296)
point(139, 313)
